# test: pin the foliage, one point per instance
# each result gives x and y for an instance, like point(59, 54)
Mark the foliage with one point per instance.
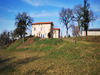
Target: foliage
point(87, 15)
point(49, 34)
point(22, 23)
point(5, 39)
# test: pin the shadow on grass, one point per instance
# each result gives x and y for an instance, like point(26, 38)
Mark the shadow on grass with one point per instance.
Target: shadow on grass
point(12, 66)
point(5, 60)
point(43, 71)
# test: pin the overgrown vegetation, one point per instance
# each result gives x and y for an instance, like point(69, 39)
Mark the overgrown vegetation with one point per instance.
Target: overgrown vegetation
point(5, 39)
point(51, 56)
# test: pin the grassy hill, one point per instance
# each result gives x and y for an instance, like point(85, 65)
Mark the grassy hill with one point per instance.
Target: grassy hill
point(51, 56)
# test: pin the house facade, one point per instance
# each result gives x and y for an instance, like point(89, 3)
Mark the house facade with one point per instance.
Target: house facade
point(92, 32)
point(41, 29)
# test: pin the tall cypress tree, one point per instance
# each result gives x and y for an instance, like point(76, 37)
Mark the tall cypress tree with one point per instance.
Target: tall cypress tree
point(85, 21)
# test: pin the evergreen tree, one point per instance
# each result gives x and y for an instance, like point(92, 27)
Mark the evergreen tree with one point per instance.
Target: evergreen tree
point(87, 15)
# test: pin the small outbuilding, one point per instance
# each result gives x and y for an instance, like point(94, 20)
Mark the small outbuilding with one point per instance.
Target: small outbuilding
point(92, 32)
point(56, 32)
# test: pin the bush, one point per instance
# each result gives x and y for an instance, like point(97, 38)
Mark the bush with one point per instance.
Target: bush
point(49, 34)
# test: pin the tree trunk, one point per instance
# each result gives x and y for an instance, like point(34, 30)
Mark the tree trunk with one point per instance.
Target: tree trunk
point(86, 32)
point(24, 37)
point(79, 29)
point(21, 36)
point(67, 33)
point(86, 28)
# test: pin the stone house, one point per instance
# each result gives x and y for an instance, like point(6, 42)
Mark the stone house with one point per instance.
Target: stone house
point(41, 29)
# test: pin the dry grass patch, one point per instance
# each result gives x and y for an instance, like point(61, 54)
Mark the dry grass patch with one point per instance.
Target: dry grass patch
point(51, 56)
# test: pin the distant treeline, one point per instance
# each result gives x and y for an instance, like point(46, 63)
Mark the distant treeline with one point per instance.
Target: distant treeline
point(6, 38)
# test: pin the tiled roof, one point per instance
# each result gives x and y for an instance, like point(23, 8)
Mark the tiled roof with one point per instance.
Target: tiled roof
point(56, 28)
point(42, 23)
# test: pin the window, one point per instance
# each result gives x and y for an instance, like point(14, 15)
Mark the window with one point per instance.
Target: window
point(39, 35)
point(41, 28)
point(34, 29)
point(43, 36)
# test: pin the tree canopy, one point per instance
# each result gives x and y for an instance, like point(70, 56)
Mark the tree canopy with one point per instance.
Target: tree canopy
point(77, 10)
point(66, 16)
point(22, 21)
point(87, 15)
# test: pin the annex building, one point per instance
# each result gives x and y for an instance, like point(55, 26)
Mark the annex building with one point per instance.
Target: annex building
point(92, 32)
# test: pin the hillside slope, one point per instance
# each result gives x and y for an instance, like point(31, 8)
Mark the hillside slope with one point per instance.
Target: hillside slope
point(51, 56)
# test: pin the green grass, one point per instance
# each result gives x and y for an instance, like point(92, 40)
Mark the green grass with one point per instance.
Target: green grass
point(49, 41)
point(52, 56)
point(89, 38)
point(15, 45)
point(35, 39)
point(45, 44)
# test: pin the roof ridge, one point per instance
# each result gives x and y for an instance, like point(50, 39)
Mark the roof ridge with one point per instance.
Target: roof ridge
point(56, 28)
point(42, 23)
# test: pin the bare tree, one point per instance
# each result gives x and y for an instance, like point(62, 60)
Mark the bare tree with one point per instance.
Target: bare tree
point(75, 30)
point(12, 35)
point(66, 16)
point(78, 16)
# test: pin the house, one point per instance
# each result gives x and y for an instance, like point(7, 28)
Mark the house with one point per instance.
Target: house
point(92, 32)
point(41, 29)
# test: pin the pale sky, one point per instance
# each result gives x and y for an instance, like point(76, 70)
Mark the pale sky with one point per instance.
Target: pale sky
point(41, 11)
